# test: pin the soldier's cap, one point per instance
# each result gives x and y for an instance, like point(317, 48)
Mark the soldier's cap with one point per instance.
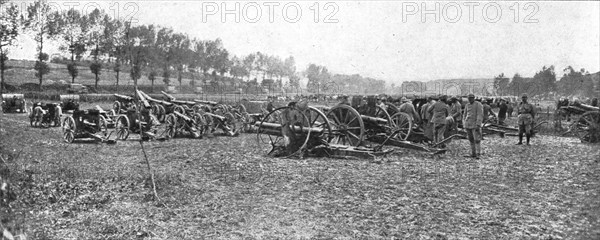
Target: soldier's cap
point(524, 95)
point(471, 95)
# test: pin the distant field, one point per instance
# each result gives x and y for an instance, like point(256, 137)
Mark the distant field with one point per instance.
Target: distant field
point(21, 71)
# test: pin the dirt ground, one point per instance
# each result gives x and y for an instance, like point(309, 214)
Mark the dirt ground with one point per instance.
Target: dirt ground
point(224, 188)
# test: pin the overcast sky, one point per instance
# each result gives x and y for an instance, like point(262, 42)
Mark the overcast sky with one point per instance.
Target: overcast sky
point(386, 39)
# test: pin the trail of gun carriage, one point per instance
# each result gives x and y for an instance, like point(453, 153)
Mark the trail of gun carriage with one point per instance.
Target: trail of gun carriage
point(251, 148)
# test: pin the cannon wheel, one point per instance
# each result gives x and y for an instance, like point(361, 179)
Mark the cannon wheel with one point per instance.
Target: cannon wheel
point(233, 122)
point(275, 141)
point(117, 106)
point(179, 109)
point(403, 123)
point(69, 128)
point(392, 109)
point(122, 127)
point(103, 126)
point(382, 113)
point(348, 126)
point(159, 111)
point(197, 108)
point(170, 126)
point(588, 127)
point(318, 119)
point(200, 122)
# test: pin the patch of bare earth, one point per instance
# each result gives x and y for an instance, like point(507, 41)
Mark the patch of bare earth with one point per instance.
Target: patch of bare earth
point(223, 188)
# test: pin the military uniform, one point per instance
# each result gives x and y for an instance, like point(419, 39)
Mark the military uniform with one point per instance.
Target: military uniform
point(472, 121)
point(526, 115)
point(439, 111)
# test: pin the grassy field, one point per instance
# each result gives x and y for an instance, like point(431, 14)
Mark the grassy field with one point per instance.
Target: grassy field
point(224, 188)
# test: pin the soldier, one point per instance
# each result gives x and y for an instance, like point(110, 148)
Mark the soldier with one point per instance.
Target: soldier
point(525, 118)
point(455, 110)
point(487, 110)
point(424, 114)
point(408, 108)
point(438, 112)
point(344, 100)
point(502, 112)
point(472, 121)
point(270, 106)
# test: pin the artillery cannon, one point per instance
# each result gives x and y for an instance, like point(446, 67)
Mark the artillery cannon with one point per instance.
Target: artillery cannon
point(69, 103)
point(353, 124)
point(178, 123)
point(85, 124)
point(45, 115)
point(587, 126)
point(140, 121)
point(123, 103)
point(12, 103)
point(290, 130)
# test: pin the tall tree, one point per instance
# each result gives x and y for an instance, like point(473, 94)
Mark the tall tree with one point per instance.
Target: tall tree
point(166, 50)
point(114, 42)
point(73, 29)
point(95, 36)
point(182, 54)
point(139, 40)
point(545, 80)
point(237, 68)
point(289, 66)
point(44, 25)
point(317, 75)
point(249, 64)
point(501, 84)
point(9, 30)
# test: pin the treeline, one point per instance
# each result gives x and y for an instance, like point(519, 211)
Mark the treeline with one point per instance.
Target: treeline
point(99, 42)
point(573, 83)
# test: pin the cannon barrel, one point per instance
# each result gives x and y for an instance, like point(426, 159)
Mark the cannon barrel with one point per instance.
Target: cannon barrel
point(221, 118)
point(123, 97)
point(373, 119)
point(181, 102)
point(276, 128)
point(186, 118)
point(143, 99)
point(169, 96)
point(165, 103)
point(206, 102)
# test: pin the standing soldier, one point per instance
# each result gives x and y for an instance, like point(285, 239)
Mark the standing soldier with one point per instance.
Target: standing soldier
point(502, 112)
point(472, 121)
point(526, 115)
point(438, 112)
point(455, 111)
point(487, 110)
point(424, 114)
point(408, 108)
point(270, 106)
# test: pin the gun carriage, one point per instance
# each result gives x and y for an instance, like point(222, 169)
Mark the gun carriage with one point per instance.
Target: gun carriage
point(85, 124)
point(12, 103)
point(365, 120)
point(136, 120)
point(123, 103)
point(69, 103)
point(586, 121)
point(45, 115)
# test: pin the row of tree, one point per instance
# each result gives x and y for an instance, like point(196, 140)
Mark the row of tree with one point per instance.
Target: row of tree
point(572, 83)
point(152, 51)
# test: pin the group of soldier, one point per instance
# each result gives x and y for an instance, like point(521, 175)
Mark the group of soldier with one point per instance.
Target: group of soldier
point(447, 114)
